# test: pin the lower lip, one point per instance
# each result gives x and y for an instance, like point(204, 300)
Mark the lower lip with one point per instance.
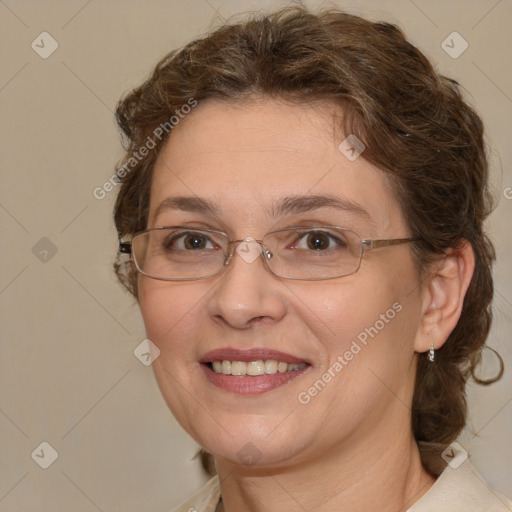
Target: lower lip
point(250, 385)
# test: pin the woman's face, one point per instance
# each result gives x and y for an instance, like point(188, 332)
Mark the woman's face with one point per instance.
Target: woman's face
point(256, 163)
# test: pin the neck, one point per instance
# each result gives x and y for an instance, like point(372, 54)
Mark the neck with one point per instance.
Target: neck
point(374, 475)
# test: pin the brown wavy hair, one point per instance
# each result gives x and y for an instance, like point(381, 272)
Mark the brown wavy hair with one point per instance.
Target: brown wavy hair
point(416, 127)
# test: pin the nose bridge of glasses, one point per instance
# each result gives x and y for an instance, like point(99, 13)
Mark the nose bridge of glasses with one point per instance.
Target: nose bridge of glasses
point(249, 249)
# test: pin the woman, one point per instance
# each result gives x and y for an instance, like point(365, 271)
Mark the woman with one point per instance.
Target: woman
point(302, 201)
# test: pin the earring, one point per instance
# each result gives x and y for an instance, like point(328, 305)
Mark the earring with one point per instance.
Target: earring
point(431, 354)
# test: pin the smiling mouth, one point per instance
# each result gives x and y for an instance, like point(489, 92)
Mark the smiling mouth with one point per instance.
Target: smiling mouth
point(254, 368)
point(253, 371)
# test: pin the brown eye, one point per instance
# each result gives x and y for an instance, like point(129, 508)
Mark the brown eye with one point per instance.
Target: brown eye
point(319, 241)
point(188, 242)
point(195, 241)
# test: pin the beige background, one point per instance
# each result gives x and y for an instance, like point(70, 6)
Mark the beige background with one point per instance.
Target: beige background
point(68, 372)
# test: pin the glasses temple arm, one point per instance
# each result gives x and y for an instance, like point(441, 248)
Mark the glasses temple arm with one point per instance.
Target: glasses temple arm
point(374, 244)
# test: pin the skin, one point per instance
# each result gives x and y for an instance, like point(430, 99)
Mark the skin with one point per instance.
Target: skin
point(356, 432)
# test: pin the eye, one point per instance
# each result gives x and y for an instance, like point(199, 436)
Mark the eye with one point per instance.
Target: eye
point(188, 241)
point(319, 241)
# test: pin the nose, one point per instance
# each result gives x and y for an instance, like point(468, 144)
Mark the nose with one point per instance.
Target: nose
point(248, 292)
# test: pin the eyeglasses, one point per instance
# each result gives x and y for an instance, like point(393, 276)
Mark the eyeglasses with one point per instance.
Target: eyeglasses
point(310, 253)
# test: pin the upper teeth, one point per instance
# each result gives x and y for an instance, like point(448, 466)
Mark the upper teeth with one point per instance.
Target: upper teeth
point(259, 367)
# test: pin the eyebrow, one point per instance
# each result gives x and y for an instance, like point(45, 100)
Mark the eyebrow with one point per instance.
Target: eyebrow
point(285, 206)
point(302, 204)
point(187, 204)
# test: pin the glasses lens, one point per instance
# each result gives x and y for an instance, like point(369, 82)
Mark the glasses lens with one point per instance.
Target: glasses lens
point(314, 252)
point(179, 253)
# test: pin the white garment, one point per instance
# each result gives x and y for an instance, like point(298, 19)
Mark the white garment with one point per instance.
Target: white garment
point(455, 490)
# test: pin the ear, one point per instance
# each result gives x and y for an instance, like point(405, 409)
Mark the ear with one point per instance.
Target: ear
point(443, 295)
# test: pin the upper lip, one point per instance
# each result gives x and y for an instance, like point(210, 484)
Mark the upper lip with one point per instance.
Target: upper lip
point(253, 354)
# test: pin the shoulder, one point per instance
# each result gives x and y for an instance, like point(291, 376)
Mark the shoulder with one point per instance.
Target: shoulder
point(461, 490)
point(205, 500)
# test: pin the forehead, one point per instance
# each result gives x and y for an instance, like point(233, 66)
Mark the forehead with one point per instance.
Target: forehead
point(246, 157)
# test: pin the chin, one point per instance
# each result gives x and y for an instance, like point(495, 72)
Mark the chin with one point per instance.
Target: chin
point(254, 443)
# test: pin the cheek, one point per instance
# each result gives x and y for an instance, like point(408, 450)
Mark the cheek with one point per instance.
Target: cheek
point(338, 312)
point(169, 310)
point(364, 319)
point(170, 313)
point(366, 336)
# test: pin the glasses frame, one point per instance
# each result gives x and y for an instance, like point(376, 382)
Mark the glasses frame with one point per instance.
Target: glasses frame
point(367, 244)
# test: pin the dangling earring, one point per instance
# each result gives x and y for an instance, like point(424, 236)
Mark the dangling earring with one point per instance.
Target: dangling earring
point(431, 354)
